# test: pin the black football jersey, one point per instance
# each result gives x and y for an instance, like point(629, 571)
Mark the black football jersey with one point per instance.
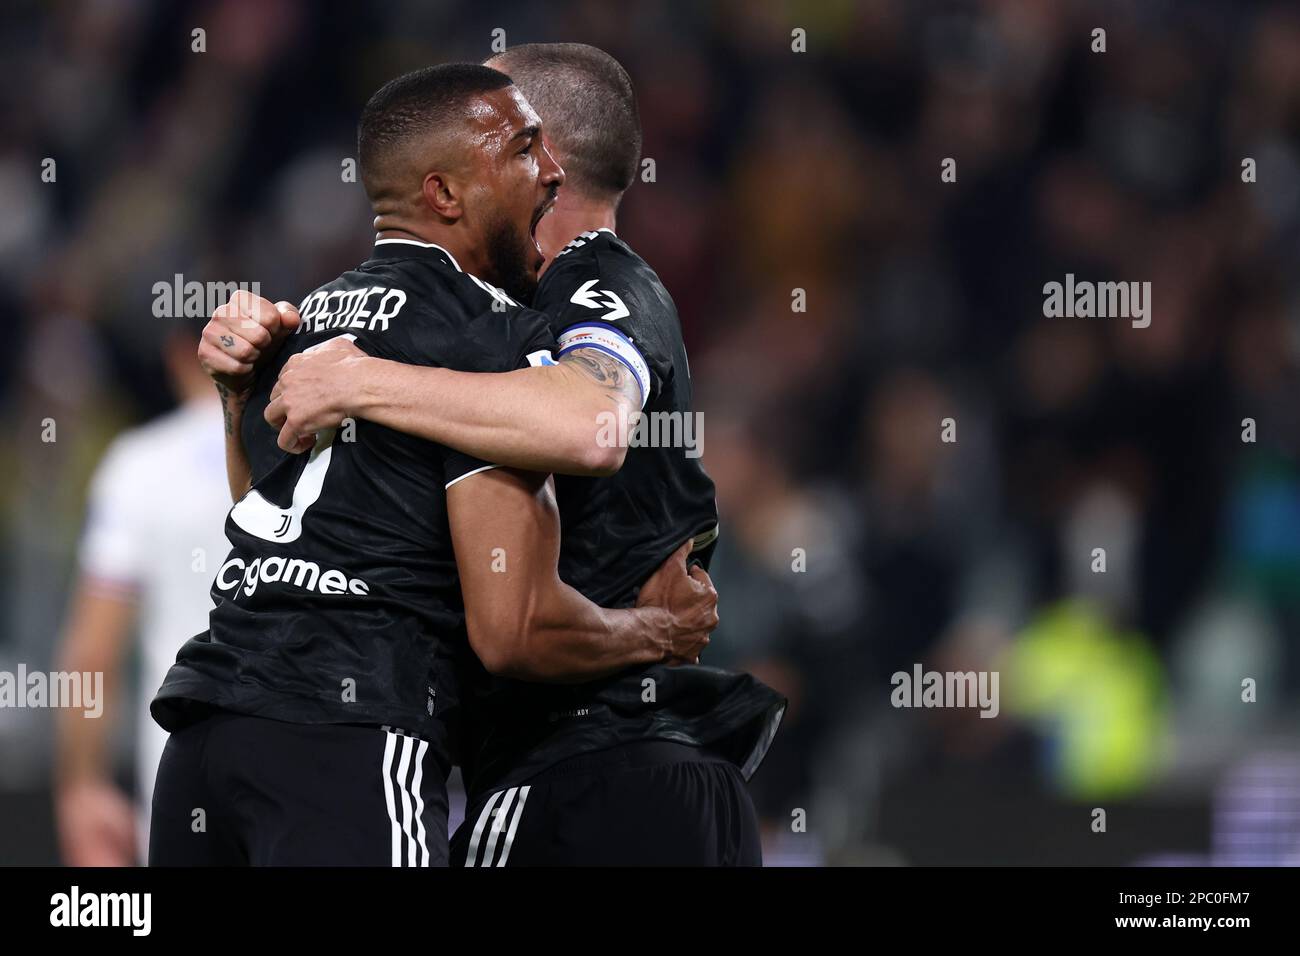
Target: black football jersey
point(339, 601)
point(617, 531)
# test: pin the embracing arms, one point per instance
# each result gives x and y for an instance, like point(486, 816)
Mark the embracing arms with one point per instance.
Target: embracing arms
point(571, 417)
point(525, 622)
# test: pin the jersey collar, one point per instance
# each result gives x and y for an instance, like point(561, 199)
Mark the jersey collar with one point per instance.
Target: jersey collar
point(405, 248)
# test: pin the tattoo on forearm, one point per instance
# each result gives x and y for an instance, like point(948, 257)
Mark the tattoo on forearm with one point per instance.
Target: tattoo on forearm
point(229, 402)
point(604, 370)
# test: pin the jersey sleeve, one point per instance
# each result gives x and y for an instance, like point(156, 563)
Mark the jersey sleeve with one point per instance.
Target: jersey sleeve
point(114, 541)
point(595, 304)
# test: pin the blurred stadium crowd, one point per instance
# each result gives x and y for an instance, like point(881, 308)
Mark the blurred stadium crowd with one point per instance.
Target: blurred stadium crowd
point(855, 543)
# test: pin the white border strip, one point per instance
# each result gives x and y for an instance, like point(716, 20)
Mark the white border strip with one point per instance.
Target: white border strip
point(468, 473)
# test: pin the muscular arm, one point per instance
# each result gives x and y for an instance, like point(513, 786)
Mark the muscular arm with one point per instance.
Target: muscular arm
point(570, 418)
point(524, 622)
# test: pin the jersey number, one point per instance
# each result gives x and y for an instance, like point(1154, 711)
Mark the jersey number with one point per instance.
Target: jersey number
point(270, 522)
point(267, 520)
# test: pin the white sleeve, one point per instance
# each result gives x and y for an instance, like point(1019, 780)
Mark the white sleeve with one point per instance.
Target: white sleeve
point(113, 542)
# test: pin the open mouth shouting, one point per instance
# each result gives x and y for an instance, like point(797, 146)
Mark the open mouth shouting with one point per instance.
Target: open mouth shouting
point(542, 210)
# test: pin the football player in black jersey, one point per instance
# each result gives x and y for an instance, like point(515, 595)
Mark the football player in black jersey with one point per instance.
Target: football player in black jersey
point(312, 722)
point(647, 766)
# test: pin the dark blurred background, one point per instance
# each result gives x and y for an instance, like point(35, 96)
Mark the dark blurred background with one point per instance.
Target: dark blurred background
point(777, 171)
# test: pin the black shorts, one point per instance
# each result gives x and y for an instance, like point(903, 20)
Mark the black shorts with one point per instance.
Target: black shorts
point(234, 790)
point(651, 803)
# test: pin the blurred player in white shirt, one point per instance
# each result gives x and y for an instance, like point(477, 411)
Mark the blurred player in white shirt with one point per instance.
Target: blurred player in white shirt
point(153, 538)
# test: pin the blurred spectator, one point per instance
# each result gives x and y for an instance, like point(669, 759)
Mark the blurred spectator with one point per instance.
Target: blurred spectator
point(153, 540)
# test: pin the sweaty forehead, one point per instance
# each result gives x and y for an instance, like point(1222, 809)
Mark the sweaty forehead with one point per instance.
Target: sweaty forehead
point(502, 112)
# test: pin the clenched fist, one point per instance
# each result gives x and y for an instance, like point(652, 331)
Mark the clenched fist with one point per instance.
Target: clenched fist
point(241, 335)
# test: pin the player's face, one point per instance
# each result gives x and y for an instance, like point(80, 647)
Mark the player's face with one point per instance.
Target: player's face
point(520, 178)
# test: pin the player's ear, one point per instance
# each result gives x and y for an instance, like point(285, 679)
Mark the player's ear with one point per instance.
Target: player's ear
point(442, 195)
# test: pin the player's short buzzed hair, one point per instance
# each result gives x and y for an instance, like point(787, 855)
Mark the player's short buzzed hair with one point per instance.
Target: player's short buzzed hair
point(588, 111)
point(413, 106)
